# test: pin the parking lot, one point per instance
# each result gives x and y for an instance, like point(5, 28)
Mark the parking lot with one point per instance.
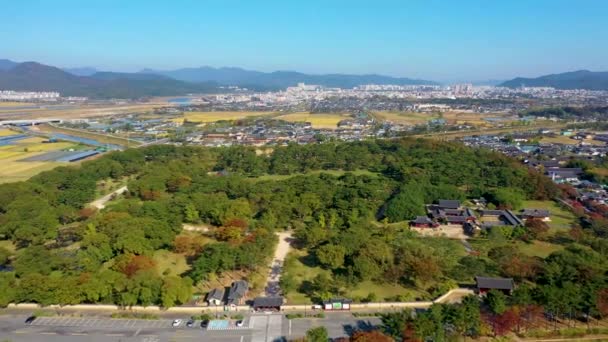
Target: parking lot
point(104, 323)
point(132, 323)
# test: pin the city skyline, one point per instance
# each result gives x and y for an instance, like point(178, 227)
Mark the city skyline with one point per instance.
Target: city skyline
point(471, 41)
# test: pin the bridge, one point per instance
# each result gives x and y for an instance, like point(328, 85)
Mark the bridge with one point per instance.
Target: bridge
point(31, 122)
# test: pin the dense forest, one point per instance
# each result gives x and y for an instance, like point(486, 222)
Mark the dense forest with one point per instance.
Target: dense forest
point(338, 198)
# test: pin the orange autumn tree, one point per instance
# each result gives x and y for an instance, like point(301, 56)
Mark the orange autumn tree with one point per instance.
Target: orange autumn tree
point(130, 264)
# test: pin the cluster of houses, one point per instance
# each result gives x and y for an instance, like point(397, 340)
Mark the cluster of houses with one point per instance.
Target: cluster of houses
point(270, 132)
point(525, 145)
point(236, 295)
point(453, 212)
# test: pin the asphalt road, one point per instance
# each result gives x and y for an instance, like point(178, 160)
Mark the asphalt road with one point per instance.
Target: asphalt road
point(257, 328)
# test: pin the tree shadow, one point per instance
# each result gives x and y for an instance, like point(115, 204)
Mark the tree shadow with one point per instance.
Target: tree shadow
point(308, 260)
point(360, 325)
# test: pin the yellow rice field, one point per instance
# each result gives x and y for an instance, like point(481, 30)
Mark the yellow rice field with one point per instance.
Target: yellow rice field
point(14, 170)
point(14, 104)
point(405, 118)
point(6, 132)
point(322, 120)
point(206, 117)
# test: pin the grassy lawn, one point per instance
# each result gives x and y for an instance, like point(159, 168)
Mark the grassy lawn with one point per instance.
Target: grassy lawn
point(109, 185)
point(561, 219)
point(539, 248)
point(316, 172)
point(296, 267)
point(603, 172)
point(382, 291)
point(7, 244)
point(166, 260)
point(299, 265)
point(322, 120)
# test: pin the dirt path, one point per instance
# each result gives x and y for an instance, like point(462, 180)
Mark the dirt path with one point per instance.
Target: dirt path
point(201, 228)
point(100, 203)
point(276, 267)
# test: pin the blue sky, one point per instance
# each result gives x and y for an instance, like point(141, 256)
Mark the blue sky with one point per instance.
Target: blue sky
point(440, 40)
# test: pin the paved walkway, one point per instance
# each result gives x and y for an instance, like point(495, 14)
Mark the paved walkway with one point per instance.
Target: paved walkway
point(100, 203)
point(267, 328)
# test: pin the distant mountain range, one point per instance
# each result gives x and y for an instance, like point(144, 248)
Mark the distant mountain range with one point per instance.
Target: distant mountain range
point(89, 82)
point(582, 79)
point(5, 64)
point(85, 71)
point(278, 79)
point(32, 76)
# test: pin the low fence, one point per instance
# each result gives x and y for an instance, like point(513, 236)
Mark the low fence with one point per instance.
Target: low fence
point(455, 294)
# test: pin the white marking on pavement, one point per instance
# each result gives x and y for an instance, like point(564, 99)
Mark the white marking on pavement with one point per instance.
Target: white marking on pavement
point(137, 332)
point(289, 327)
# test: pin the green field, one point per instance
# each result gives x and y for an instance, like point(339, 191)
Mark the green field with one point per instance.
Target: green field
point(8, 245)
point(561, 219)
point(538, 248)
point(172, 263)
